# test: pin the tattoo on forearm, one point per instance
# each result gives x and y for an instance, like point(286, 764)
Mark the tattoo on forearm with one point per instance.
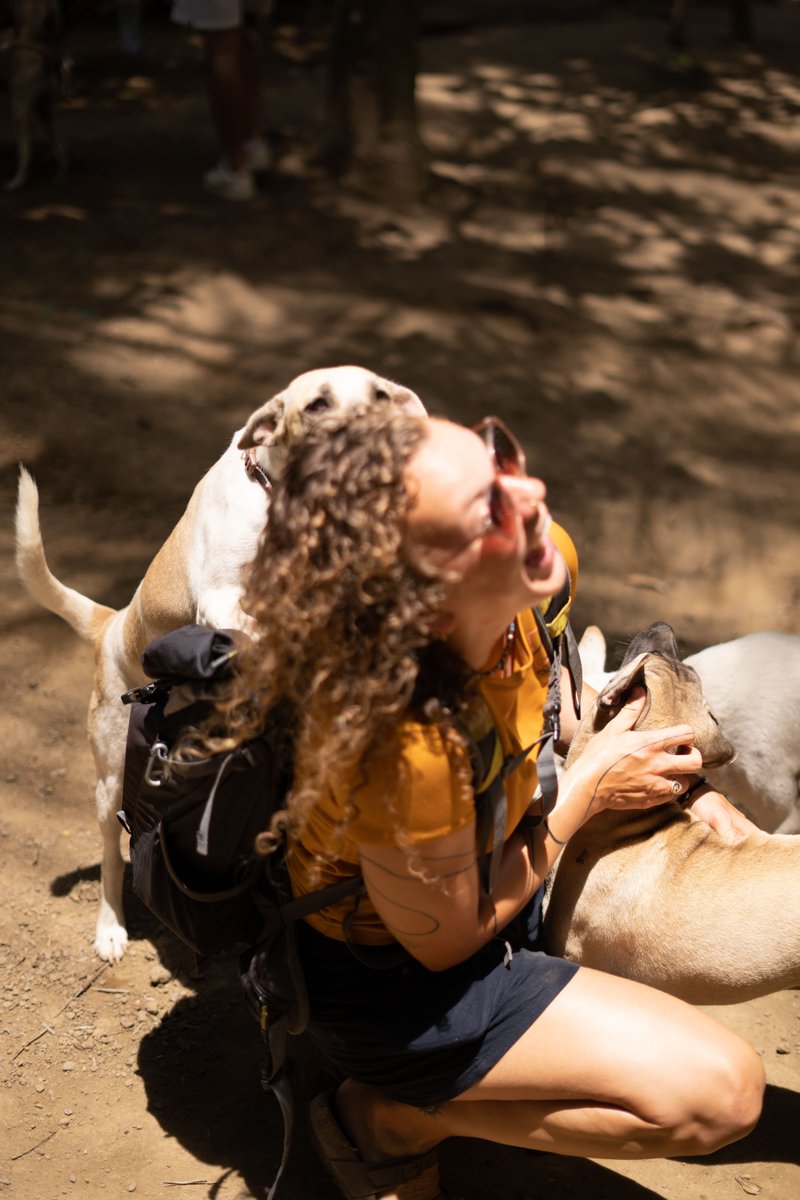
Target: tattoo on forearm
point(433, 922)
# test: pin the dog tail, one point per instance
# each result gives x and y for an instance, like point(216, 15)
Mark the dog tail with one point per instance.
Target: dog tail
point(85, 616)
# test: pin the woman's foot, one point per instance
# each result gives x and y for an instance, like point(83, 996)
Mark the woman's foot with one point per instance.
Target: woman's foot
point(257, 155)
point(223, 181)
point(367, 1170)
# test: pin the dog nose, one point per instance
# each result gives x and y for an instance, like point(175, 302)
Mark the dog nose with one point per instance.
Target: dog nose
point(526, 491)
point(720, 753)
point(527, 495)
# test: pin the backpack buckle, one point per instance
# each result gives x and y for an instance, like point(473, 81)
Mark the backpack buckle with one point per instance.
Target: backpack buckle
point(157, 767)
point(148, 693)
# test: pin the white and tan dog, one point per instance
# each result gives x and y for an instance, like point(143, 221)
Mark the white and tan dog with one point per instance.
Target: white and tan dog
point(656, 894)
point(196, 577)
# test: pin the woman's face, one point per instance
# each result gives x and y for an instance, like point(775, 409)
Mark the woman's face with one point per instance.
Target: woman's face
point(483, 530)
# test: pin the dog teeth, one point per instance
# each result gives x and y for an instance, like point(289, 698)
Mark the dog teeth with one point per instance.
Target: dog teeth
point(541, 535)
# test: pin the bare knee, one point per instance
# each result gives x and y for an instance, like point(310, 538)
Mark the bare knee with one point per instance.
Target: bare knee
point(727, 1102)
point(743, 1097)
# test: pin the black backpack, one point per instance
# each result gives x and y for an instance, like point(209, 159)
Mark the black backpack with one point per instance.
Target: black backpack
point(193, 824)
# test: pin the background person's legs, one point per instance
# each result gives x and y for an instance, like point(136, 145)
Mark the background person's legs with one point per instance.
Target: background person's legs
point(229, 94)
point(257, 154)
point(233, 80)
point(233, 84)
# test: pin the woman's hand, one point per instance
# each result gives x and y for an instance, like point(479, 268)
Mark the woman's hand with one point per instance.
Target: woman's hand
point(630, 768)
point(713, 808)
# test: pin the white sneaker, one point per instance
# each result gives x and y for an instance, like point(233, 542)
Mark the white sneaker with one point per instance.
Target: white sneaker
point(257, 155)
point(230, 185)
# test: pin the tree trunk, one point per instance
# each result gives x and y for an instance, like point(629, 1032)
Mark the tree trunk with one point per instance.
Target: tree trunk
point(371, 139)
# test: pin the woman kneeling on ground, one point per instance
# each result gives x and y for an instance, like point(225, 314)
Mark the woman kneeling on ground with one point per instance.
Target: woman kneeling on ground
point(392, 597)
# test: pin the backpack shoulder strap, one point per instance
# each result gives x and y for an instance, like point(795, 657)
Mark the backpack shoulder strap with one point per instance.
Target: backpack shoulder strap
point(561, 648)
point(490, 768)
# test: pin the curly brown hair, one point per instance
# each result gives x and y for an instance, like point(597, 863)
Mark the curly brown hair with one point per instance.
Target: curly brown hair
point(342, 618)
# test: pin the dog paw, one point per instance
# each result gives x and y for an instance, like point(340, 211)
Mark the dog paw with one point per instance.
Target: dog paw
point(110, 942)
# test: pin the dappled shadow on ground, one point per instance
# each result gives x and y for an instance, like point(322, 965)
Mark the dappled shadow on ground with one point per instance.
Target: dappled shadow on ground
point(606, 256)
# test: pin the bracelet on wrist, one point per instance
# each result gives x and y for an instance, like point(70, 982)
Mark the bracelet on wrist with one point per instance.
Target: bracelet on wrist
point(551, 835)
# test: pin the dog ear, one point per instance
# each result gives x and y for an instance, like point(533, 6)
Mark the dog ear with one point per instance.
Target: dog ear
point(261, 428)
point(403, 397)
point(616, 692)
point(659, 638)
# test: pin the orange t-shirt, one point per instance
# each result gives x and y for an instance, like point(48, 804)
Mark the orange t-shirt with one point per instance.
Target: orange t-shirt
point(428, 804)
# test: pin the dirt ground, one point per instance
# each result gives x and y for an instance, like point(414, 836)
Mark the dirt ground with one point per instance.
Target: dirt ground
point(607, 258)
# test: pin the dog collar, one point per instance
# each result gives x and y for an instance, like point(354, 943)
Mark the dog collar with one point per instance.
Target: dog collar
point(254, 471)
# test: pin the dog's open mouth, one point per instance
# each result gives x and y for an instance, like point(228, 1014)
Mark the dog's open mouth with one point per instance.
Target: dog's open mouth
point(540, 555)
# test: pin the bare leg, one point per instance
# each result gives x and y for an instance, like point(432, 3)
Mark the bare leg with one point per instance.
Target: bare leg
point(24, 81)
point(612, 1069)
point(251, 87)
point(45, 110)
point(227, 92)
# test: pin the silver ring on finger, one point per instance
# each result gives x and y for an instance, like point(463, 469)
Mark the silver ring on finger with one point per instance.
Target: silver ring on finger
point(677, 787)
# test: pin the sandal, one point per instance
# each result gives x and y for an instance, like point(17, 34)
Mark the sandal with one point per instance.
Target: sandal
point(403, 1179)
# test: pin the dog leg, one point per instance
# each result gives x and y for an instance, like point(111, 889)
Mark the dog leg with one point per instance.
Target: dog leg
point(108, 722)
point(111, 936)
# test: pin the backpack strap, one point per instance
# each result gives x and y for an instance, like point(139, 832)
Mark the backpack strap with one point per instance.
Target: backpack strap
point(272, 978)
point(492, 805)
point(281, 1088)
point(561, 648)
point(562, 652)
point(491, 768)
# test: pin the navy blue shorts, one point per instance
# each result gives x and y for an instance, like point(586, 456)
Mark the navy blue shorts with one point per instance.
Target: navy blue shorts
point(423, 1036)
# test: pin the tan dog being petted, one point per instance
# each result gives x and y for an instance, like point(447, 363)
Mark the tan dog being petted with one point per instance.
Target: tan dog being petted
point(655, 894)
point(197, 576)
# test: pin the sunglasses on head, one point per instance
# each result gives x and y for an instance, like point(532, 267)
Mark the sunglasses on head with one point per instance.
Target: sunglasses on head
point(504, 449)
point(508, 458)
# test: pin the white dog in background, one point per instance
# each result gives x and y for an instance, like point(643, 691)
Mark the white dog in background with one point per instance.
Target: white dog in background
point(196, 577)
point(753, 686)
